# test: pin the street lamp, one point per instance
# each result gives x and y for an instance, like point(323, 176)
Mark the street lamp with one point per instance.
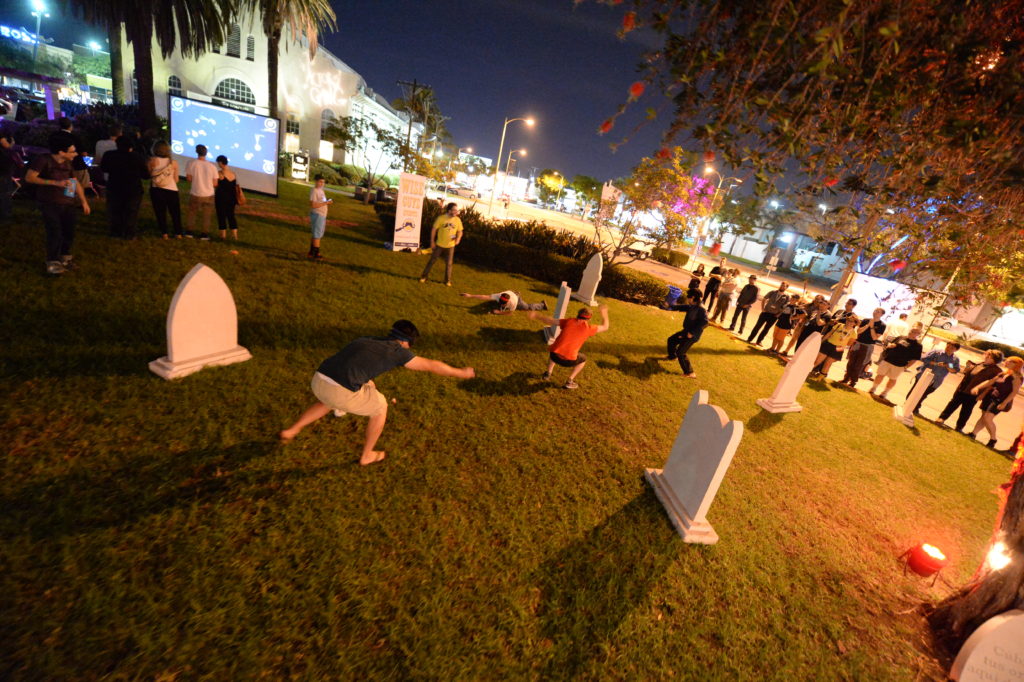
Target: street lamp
point(508, 164)
point(501, 148)
point(38, 11)
point(710, 170)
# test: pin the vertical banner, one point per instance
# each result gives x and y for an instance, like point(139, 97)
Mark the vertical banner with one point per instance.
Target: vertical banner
point(409, 212)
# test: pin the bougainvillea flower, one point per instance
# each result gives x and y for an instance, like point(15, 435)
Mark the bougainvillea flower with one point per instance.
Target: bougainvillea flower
point(606, 126)
point(831, 182)
point(629, 21)
point(636, 89)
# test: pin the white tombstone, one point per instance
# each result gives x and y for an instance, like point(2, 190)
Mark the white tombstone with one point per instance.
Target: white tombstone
point(696, 466)
point(793, 378)
point(591, 278)
point(995, 651)
point(202, 326)
point(561, 306)
point(905, 412)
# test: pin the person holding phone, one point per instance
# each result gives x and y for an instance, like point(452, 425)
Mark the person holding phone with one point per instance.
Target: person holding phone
point(941, 363)
point(59, 196)
point(318, 203)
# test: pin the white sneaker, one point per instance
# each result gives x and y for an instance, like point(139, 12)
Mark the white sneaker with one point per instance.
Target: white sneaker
point(54, 267)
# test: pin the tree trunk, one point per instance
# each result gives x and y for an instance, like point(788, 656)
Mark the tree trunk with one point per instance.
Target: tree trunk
point(273, 54)
point(116, 63)
point(140, 34)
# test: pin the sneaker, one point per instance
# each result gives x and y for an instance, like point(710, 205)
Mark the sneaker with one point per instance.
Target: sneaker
point(543, 305)
point(571, 384)
point(447, 284)
point(422, 280)
point(68, 262)
point(54, 267)
point(204, 237)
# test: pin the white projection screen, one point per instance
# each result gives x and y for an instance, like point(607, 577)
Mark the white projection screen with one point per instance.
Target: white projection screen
point(248, 140)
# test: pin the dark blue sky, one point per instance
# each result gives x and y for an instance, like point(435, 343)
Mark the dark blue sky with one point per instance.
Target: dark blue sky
point(487, 60)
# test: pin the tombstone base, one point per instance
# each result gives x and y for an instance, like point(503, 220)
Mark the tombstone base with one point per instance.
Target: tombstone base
point(163, 367)
point(550, 336)
point(583, 300)
point(906, 419)
point(767, 405)
point(693, 532)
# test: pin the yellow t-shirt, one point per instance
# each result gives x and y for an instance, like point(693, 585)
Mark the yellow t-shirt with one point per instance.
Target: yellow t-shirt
point(448, 230)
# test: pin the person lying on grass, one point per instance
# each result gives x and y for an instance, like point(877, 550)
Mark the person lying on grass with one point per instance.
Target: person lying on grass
point(565, 351)
point(344, 382)
point(507, 302)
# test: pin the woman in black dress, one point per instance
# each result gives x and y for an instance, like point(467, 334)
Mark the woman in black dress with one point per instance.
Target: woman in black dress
point(225, 198)
point(997, 396)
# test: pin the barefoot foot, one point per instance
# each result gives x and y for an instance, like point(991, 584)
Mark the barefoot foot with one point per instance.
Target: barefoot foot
point(372, 458)
point(286, 436)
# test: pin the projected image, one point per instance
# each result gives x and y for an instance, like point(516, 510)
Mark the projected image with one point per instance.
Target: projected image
point(249, 141)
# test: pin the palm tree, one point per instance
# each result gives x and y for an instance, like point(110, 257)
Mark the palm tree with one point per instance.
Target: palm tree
point(189, 27)
point(305, 18)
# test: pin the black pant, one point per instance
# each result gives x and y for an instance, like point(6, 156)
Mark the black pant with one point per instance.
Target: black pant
point(678, 346)
point(435, 253)
point(226, 215)
point(710, 290)
point(965, 402)
point(59, 221)
point(6, 196)
point(927, 392)
point(740, 311)
point(166, 201)
point(855, 360)
point(766, 319)
point(123, 213)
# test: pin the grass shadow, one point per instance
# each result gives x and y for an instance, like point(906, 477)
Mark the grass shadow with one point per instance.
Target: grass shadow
point(762, 421)
point(506, 335)
point(519, 383)
point(639, 370)
point(815, 385)
point(592, 585)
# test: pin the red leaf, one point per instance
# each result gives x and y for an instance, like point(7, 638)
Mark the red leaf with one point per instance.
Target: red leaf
point(831, 182)
point(636, 89)
point(629, 21)
point(606, 126)
point(663, 153)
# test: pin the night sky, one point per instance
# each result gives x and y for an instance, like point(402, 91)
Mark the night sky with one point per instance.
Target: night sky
point(487, 60)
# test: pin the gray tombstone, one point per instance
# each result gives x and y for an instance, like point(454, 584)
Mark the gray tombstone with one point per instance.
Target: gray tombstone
point(591, 278)
point(700, 456)
point(905, 412)
point(202, 326)
point(793, 378)
point(995, 651)
point(561, 306)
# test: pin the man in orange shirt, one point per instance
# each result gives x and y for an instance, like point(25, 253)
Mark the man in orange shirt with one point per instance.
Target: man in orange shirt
point(565, 351)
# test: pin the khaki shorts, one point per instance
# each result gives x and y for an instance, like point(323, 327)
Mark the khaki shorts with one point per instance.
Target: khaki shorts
point(889, 371)
point(367, 401)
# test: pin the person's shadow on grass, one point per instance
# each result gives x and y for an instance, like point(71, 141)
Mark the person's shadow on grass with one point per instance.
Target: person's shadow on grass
point(519, 383)
point(591, 586)
point(644, 369)
point(507, 335)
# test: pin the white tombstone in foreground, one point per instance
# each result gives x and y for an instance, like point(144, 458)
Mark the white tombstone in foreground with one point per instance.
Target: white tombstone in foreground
point(202, 326)
point(696, 466)
point(561, 305)
point(995, 651)
point(905, 412)
point(793, 378)
point(591, 278)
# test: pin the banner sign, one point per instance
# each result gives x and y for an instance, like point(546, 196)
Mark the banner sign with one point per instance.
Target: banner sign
point(409, 212)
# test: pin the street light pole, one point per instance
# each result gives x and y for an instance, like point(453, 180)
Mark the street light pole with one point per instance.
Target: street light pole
point(497, 161)
point(39, 9)
point(708, 170)
point(508, 164)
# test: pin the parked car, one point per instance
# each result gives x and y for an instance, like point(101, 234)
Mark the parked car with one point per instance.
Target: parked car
point(945, 321)
point(466, 192)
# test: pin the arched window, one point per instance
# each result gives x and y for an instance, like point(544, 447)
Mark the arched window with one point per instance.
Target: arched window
point(234, 93)
point(174, 87)
point(235, 41)
point(326, 119)
point(250, 49)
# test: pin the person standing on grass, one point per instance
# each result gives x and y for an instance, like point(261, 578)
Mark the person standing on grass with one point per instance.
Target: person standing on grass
point(964, 397)
point(834, 342)
point(318, 203)
point(445, 235)
point(941, 363)
point(868, 334)
point(770, 307)
point(725, 292)
point(784, 324)
point(748, 297)
point(163, 189)
point(565, 351)
point(507, 302)
point(897, 356)
point(997, 395)
point(125, 172)
point(104, 146)
point(694, 322)
point(203, 176)
point(714, 282)
point(344, 382)
point(225, 198)
point(7, 170)
point(58, 197)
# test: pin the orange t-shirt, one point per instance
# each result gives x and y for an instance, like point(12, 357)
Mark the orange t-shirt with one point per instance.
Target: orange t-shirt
point(570, 339)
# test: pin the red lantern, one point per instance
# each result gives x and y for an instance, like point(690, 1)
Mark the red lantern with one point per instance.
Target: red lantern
point(606, 126)
point(663, 153)
point(831, 182)
point(898, 265)
point(709, 157)
point(636, 89)
point(926, 560)
point(629, 21)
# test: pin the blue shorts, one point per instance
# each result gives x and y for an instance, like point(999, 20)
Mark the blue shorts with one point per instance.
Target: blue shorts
point(318, 224)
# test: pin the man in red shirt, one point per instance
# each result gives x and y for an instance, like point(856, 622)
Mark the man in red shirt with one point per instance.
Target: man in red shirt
point(565, 351)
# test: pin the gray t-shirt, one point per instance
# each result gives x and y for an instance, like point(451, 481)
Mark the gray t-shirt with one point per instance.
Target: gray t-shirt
point(363, 360)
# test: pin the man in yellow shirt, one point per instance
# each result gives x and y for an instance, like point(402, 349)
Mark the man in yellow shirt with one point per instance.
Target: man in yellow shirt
point(444, 237)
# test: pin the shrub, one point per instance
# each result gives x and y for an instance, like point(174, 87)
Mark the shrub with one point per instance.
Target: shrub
point(670, 257)
point(284, 164)
point(354, 174)
point(627, 284)
point(320, 168)
point(992, 345)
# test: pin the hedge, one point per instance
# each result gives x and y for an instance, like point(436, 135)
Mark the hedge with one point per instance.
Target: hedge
point(992, 345)
point(670, 257)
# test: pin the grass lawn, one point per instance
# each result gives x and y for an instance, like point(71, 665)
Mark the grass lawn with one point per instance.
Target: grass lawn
point(155, 529)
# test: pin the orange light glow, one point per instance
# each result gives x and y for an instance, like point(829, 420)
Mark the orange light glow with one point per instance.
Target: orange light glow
point(933, 552)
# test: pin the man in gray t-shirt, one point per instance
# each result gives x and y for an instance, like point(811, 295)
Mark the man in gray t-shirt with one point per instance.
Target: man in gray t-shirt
point(344, 382)
point(771, 306)
point(203, 176)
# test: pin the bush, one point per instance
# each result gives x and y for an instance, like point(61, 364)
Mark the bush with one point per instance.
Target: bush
point(627, 284)
point(992, 345)
point(320, 168)
point(353, 174)
point(670, 257)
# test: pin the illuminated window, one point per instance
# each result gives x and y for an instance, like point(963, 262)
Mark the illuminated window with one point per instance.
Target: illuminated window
point(250, 49)
point(292, 125)
point(235, 41)
point(174, 87)
point(234, 93)
point(326, 119)
point(135, 87)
